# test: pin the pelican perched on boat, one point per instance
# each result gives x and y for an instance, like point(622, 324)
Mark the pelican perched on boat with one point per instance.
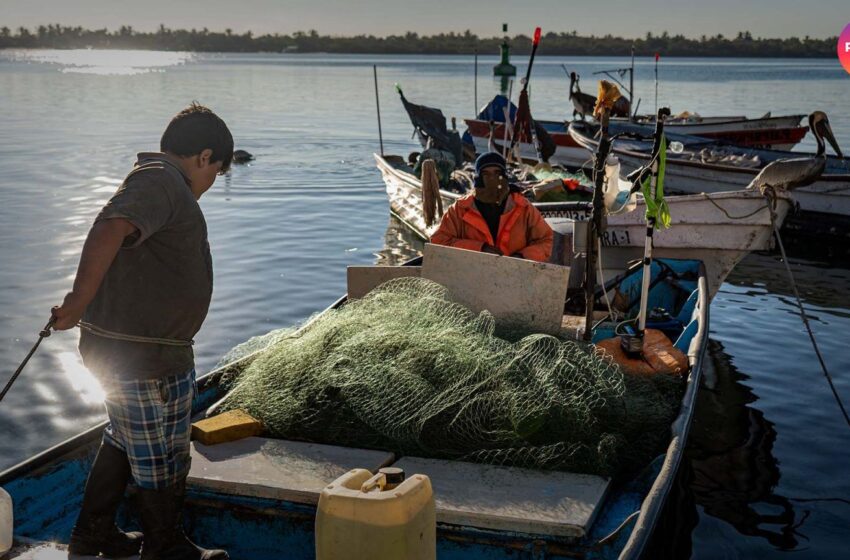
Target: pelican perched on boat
point(583, 103)
point(791, 173)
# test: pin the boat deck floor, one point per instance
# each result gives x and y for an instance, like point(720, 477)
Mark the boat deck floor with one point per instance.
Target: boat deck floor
point(48, 551)
point(466, 494)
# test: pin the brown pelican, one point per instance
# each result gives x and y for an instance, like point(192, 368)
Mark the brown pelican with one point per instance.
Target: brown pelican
point(582, 102)
point(791, 173)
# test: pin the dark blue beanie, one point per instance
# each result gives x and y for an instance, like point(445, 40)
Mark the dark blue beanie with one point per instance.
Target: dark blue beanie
point(490, 159)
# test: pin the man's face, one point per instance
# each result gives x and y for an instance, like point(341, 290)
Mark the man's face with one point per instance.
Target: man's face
point(495, 186)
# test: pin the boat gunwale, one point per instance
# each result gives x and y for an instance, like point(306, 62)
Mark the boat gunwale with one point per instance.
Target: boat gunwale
point(656, 498)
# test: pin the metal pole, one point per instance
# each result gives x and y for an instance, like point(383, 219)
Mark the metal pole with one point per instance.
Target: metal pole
point(594, 226)
point(507, 111)
point(647, 256)
point(637, 346)
point(378, 105)
point(656, 83)
point(475, 109)
point(632, 86)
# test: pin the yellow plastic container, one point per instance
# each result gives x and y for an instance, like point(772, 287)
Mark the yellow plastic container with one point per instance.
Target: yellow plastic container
point(365, 517)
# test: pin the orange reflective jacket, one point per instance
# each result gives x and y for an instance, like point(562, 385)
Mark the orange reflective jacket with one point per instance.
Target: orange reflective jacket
point(522, 229)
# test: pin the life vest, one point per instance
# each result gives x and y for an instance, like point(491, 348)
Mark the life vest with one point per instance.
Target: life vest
point(522, 229)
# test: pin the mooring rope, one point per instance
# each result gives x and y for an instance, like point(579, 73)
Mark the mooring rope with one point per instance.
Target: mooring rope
point(731, 217)
point(770, 195)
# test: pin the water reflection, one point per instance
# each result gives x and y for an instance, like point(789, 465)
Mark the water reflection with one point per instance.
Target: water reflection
point(816, 280)
point(730, 451)
point(400, 244)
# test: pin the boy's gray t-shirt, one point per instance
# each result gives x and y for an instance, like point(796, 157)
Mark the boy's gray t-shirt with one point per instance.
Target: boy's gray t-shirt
point(159, 284)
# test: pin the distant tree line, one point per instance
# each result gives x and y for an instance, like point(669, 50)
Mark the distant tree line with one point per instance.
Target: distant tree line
point(564, 43)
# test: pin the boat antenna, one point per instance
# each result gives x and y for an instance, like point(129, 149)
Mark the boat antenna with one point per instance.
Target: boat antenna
point(378, 105)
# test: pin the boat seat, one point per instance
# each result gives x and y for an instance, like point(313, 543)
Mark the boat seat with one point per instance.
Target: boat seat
point(511, 499)
point(277, 469)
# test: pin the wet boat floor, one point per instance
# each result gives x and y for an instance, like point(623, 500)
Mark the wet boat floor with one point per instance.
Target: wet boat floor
point(466, 494)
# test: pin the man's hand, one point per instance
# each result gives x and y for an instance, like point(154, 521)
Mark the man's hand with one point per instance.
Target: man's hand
point(101, 246)
point(487, 248)
point(68, 314)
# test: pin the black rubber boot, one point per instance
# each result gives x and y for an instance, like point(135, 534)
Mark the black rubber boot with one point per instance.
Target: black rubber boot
point(160, 512)
point(95, 531)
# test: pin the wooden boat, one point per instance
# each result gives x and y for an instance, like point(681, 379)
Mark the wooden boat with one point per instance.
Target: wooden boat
point(719, 229)
point(710, 167)
point(233, 502)
point(781, 133)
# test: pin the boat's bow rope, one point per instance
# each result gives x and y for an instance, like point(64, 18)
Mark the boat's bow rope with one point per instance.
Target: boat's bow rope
point(770, 194)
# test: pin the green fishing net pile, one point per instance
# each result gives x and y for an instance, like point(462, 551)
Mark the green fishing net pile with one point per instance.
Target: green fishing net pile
point(407, 370)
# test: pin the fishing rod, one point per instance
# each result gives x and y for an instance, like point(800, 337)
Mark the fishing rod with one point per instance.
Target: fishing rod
point(44, 333)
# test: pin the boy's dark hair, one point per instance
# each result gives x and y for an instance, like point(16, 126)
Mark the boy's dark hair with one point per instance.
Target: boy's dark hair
point(193, 130)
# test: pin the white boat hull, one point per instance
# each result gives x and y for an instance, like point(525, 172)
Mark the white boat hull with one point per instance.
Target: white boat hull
point(829, 195)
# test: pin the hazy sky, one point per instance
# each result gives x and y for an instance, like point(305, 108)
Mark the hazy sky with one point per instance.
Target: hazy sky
point(767, 18)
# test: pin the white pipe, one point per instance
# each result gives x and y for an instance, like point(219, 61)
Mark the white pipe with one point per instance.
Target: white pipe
point(647, 254)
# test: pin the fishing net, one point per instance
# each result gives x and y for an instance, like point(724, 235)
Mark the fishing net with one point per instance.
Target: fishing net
point(405, 369)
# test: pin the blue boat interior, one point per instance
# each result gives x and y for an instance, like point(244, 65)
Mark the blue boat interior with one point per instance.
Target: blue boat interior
point(47, 490)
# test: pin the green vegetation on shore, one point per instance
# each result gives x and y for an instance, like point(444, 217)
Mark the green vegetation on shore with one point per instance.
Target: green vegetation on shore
point(564, 43)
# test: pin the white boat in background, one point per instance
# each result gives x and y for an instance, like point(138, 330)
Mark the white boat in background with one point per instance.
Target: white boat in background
point(707, 167)
point(718, 229)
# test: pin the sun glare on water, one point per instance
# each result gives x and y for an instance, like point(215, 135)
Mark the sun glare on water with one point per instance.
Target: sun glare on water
point(80, 378)
point(103, 61)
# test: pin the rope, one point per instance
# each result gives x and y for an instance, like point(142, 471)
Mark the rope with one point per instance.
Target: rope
point(770, 195)
point(745, 216)
point(98, 331)
point(602, 279)
point(45, 332)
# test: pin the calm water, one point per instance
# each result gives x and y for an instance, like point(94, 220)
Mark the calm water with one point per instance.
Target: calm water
point(769, 453)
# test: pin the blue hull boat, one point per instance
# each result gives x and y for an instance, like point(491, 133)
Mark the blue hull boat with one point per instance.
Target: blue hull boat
point(47, 489)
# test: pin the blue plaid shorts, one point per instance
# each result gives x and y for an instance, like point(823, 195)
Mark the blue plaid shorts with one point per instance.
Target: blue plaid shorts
point(150, 419)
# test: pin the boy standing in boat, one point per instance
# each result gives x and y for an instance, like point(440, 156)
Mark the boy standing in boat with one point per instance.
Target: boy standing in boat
point(494, 219)
point(142, 291)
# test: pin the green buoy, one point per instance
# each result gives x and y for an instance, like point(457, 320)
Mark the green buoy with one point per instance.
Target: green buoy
point(504, 68)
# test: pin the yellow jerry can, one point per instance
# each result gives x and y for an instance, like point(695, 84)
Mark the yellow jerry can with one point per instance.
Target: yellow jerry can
point(380, 517)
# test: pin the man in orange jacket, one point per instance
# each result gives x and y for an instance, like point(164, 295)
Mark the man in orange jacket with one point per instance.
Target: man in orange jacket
point(494, 219)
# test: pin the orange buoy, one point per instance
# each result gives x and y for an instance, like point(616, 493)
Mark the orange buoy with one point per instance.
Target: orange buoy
point(659, 357)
